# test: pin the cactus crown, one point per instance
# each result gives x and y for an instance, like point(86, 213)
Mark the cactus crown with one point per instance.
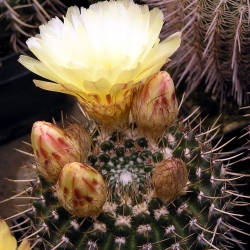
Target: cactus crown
point(173, 194)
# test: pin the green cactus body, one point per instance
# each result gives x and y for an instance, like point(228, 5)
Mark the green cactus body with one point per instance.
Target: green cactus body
point(215, 44)
point(132, 216)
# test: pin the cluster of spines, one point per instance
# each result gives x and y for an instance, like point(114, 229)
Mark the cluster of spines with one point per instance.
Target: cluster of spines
point(215, 44)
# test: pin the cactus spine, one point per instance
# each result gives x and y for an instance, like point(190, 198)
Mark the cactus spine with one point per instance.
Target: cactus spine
point(215, 44)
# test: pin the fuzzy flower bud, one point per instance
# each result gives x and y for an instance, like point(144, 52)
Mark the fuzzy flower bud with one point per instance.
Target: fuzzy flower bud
point(54, 147)
point(169, 178)
point(154, 106)
point(81, 190)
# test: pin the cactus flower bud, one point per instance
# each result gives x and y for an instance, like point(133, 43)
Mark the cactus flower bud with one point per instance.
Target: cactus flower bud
point(154, 106)
point(169, 178)
point(81, 190)
point(53, 147)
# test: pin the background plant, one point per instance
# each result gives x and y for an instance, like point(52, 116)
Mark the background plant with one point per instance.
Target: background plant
point(21, 19)
point(215, 44)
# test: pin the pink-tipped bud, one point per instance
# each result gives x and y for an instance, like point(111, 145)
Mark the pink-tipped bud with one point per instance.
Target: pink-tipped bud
point(81, 190)
point(169, 178)
point(54, 147)
point(154, 106)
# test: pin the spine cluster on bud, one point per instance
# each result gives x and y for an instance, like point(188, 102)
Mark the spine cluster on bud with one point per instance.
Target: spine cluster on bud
point(53, 147)
point(154, 106)
point(81, 138)
point(81, 190)
point(169, 178)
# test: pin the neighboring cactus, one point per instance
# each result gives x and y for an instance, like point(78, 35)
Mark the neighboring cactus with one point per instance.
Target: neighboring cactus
point(152, 181)
point(21, 19)
point(215, 45)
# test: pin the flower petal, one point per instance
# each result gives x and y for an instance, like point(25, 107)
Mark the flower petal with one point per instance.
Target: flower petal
point(37, 67)
point(25, 245)
point(171, 43)
point(60, 87)
point(7, 241)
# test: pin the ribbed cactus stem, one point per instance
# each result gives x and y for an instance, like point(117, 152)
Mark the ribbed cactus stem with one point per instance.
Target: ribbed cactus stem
point(20, 20)
point(215, 41)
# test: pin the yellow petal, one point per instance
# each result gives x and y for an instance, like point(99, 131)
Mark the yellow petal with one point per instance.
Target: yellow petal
point(7, 241)
point(37, 67)
point(127, 75)
point(171, 44)
point(158, 55)
point(56, 87)
point(25, 245)
point(121, 91)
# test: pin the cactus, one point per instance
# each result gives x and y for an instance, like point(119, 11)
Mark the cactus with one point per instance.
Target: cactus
point(152, 181)
point(176, 194)
point(21, 19)
point(214, 47)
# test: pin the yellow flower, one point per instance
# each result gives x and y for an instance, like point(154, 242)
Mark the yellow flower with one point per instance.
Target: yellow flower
point(7, 241)
point(100, 54)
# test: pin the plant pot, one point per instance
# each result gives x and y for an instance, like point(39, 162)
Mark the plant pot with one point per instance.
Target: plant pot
point(21, 102)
